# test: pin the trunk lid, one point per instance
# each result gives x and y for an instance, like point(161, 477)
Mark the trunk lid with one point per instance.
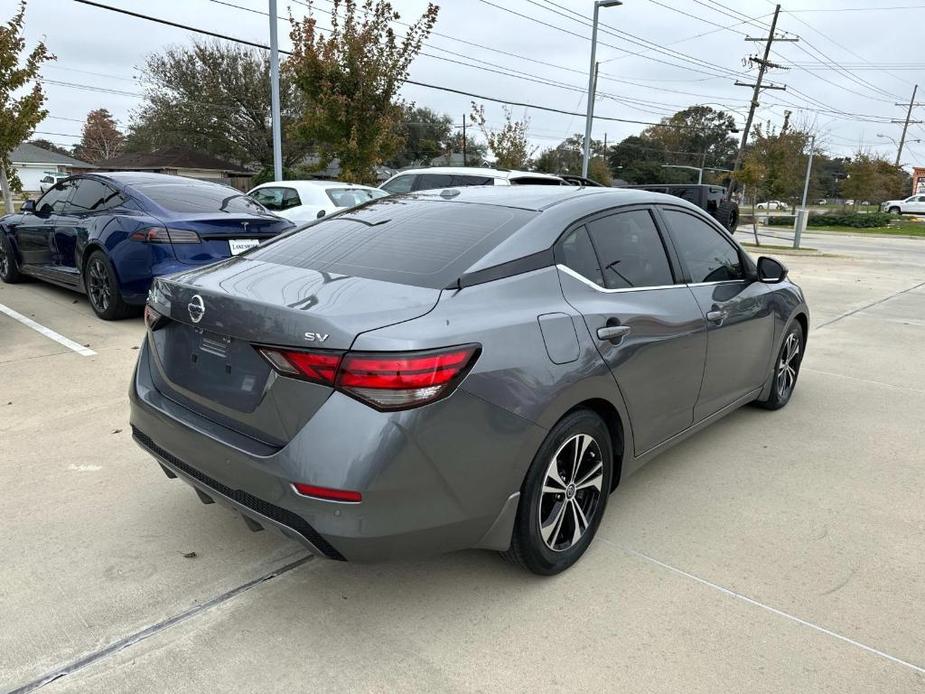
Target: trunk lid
point(210, 365)
point(224, 235)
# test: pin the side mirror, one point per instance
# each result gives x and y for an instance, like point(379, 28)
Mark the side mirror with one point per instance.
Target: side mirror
point(28, 207)
point(771, 271)
point(320, 214)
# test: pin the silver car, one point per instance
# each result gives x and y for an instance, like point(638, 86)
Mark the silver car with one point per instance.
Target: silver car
point(475, 367)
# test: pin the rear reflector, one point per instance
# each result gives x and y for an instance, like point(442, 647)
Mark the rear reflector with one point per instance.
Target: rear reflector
point(385, 380)
point(327, 493)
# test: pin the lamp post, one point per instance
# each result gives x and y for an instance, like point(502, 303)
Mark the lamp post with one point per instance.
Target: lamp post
point(592, 74)
point(274, 96)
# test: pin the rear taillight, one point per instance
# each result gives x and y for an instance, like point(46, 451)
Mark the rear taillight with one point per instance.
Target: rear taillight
point(385, 380)
point(162, 235)
point(153, 318)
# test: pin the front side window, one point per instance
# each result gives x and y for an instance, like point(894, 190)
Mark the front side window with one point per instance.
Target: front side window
point(54, 199)
point(351, 197)
point(707, 254)
point(630, 250)
point(92, 196)
point(402, 184)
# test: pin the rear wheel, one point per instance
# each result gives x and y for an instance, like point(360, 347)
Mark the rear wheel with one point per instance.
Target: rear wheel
point(786, 369)
point(9, 271)
point(564, 495)
point(103, 289)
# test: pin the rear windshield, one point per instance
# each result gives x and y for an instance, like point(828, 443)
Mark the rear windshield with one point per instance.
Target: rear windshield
point(423, 243)
point(351, 197)
point(199, 197)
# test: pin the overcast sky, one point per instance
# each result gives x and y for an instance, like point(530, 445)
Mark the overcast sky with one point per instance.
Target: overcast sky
point(687, 52)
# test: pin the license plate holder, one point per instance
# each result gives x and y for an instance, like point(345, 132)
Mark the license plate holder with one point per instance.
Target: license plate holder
point(238, 246)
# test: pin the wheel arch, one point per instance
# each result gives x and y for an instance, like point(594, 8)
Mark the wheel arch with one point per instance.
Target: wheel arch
point(614, 422)
point(88, 250)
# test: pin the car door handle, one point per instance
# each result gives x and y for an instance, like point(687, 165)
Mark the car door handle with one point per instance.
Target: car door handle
point(717, 317)
point(613, 332)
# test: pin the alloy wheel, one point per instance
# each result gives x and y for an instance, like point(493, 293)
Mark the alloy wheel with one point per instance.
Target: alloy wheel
point(98, 286)
point(571, 492)
point(787, 366)
point(4, 261)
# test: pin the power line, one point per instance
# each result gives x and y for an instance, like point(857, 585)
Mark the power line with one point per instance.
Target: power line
point(869, 8)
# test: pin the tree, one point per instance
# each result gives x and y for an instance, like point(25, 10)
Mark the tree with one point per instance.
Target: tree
point(20, 114)
point(101, 138)
point(49, 146)
point(509, 144)
point(696, 136)
point(566, 158)
point(475, 149)
point(425, 133)
point(775, 163)
point(872, 178)
point(350, 77)
point(639, 160)
point(214, 97)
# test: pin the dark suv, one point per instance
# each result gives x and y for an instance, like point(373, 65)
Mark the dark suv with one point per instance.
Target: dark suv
point(712, 199)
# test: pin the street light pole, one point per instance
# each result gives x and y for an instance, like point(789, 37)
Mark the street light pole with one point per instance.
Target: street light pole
point(274, 95)
point(592, 84)
point(803, 217)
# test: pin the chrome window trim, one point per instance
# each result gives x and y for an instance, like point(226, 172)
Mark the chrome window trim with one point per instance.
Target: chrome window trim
point(710, 284)
point(604, 290)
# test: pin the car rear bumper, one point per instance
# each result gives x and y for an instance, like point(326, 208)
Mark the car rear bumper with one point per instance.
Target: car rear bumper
point(437, 479)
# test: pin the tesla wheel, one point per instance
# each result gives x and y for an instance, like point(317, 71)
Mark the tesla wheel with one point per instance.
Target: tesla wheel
point(9, 272)
point(103, 290)
point(563, 496)
point(786, 368)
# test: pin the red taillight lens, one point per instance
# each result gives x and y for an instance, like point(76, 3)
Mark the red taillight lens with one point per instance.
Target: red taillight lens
point(327, 493)
point(385, 380)
point(153, 318)
point(161, 235)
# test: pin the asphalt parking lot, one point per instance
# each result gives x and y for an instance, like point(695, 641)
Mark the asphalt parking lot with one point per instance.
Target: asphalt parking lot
point(774, 552)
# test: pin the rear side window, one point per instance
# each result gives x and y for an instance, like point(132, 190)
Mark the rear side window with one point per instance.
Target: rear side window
point(707, 254)
point(631, 250)
point(463, 181)
point(92, 196)
point(418, 242)
point(431, 181)
point(196, 196)
point(535, 181)
point(577, 253)
point(402, 184)
point(277, 198)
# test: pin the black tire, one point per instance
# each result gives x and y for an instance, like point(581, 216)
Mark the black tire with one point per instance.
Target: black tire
point(550, 548)
point(783, 383)
point(9, 270)
point(727, 214)
point(895, 210)
point(103, 289)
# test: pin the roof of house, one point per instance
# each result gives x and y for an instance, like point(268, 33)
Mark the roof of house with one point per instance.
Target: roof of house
point(170, 158)
point(28, 153)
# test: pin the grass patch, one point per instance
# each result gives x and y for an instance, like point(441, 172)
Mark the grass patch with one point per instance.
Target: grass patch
point(898, 229)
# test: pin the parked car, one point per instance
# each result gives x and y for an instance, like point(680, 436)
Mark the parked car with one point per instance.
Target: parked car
point(714, 200)
point(914, 204)
point(437, 372)
point(458, 176)
point(771, 205)
point(49, 180)
point(109, 235)
point(305, 201)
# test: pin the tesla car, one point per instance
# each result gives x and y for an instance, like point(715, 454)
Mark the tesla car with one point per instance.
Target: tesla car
point(475, 367)
point(305, 201)
point(108, 235)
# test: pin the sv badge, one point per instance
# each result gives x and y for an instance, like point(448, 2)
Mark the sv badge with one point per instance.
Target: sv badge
point(316, 337)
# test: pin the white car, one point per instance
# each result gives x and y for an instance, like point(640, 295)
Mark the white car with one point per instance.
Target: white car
point(457, 176)
point(304, 201)
point(771, 205)
point(914, 204)
point(49, 180)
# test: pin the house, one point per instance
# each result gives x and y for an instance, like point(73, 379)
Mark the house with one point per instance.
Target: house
point(180, 161)
point(32, 164)
point(332, 171)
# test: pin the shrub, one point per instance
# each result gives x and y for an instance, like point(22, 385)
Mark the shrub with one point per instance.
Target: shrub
point(850, 220)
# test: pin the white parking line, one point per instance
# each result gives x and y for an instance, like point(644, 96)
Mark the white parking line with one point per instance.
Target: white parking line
point(774, 610)
point(47, 332)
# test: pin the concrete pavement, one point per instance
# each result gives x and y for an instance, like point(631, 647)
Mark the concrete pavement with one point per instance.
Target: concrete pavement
point(773, 552)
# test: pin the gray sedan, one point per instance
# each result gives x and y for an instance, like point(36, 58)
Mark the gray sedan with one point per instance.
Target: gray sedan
point(475, 367)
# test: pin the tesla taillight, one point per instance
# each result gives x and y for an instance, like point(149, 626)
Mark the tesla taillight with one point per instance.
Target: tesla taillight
point(162, 235)
point(385, 380)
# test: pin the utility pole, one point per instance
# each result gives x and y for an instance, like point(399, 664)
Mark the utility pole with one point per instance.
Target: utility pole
point(803, 217)
point(464, 139)
point(274, 95)
point(763, 65)
point(592, 83)
point(902, 140)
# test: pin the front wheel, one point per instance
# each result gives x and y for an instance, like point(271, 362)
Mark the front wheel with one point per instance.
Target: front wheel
point(895, 210)
point(103, 289)
point(786, 369)
point(564, 495)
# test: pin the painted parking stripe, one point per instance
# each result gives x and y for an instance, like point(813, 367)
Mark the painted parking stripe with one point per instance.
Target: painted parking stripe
point(47, 332)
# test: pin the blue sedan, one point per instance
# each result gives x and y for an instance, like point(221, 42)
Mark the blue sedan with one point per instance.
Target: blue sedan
point(109, 235)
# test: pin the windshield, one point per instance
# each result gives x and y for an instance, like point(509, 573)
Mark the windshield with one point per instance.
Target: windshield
point(197, 196)
point(351, 197)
